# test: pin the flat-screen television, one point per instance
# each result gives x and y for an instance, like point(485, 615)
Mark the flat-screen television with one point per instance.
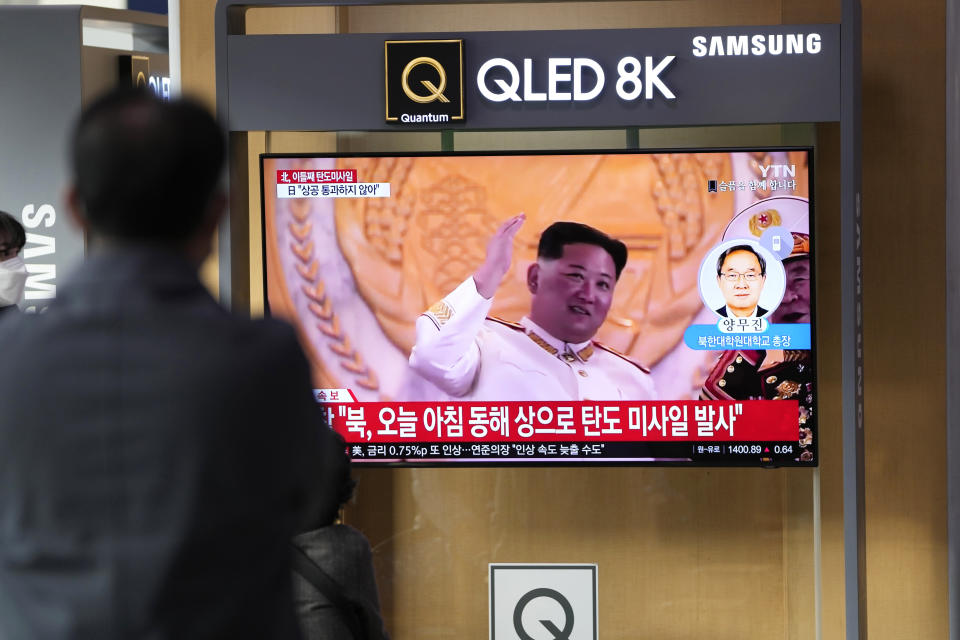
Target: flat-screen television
point(597, 308)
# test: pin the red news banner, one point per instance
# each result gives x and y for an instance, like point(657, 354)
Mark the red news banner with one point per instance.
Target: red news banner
point(316, 176)
point(648, 421)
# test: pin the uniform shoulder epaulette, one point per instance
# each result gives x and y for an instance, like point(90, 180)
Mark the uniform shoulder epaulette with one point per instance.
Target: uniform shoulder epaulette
point(439, 313)
point(600, 345)
point(506, 323)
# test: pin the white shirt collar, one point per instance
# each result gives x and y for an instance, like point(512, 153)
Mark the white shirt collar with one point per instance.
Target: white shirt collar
point(731, 314)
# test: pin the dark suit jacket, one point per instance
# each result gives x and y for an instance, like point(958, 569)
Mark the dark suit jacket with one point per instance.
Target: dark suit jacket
point(153, 460)
point(344, 554)
point(723, 311)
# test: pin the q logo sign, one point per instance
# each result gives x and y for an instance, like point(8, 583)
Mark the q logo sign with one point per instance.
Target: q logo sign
point(423, 81)
point(436, 92)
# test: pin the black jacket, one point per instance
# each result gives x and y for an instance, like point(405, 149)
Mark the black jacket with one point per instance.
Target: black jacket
point(154, 456)
point(723, 311)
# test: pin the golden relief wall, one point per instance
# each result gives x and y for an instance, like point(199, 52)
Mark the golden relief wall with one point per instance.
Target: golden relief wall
point(334, 262)
point(410, 250)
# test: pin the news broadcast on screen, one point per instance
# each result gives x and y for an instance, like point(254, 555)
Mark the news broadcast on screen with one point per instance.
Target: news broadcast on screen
point(600, 308)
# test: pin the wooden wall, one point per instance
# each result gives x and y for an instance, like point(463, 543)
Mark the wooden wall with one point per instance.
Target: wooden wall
point(904, 261)
point(700, 553)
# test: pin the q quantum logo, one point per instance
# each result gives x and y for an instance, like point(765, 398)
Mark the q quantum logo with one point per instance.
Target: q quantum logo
point(424, 81)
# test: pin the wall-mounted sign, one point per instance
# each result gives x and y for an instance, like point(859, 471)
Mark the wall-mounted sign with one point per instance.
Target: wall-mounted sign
point(160, 85)
point(43, 81)
point(574, 79)
point(529, 601)
point(423, 80)
point(134, 70)
point(539, 79)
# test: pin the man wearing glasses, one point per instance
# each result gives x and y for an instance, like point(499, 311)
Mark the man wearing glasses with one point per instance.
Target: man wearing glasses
point(13, 272)
point(741, 274)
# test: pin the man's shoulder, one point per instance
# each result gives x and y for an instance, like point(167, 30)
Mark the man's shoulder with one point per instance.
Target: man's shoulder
point(162, 335)
point(255, 342)
point(500, 322)
point(336, 534)
point(334, 545)
point(612, 355)
point(510, 336)
point(734, 375)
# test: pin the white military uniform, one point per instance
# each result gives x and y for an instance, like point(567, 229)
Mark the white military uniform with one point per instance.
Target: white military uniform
point(472, 357)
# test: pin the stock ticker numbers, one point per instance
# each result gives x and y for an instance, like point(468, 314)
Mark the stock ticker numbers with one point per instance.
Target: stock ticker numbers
point(766, 452)
point(753, 449)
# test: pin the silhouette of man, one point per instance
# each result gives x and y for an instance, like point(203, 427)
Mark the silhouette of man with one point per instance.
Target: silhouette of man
point(154, 449)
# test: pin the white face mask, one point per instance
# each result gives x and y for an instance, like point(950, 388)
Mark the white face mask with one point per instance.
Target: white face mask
point(13, 279)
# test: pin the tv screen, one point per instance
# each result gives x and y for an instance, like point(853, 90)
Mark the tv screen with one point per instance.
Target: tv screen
point(553, 308)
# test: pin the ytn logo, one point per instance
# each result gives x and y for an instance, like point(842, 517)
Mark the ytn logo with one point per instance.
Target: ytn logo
point(778, 170)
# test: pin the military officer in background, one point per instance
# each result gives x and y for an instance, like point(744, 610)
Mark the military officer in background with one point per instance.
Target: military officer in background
point(550, 354)
point(774, 374)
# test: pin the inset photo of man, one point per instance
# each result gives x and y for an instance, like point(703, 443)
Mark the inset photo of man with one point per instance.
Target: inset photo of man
point(741, 274)
point(741, 279)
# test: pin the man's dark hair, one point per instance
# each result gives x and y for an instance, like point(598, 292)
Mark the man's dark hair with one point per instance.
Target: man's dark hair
point(11, 228)
point(560, 234)
point(145, 169)
point(336, 482)
point(742, 247)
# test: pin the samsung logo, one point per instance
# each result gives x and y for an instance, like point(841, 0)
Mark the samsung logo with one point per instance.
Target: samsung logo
point(759, 44)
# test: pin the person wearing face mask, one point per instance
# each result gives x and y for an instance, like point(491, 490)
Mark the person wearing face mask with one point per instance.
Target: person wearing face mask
point(13, 271)
point(550, 354)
